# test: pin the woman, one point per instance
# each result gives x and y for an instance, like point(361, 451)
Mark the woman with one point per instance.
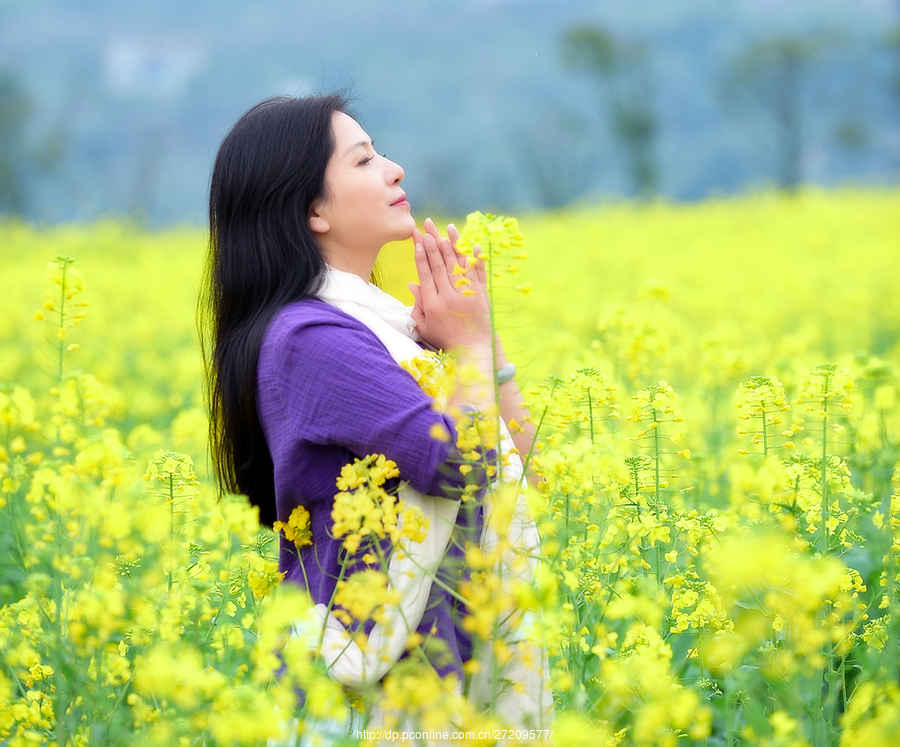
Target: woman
point(305, 375)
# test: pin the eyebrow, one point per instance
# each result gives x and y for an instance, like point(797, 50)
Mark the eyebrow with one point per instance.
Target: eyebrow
point(361, 144)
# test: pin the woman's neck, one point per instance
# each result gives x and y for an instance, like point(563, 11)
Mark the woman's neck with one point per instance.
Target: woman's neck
point(357, 262)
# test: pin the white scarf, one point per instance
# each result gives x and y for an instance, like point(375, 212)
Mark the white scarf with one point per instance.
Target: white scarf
point(382, 313)
point(412, 570)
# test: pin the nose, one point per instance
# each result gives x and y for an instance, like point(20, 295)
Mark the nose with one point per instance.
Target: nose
point(395, 172)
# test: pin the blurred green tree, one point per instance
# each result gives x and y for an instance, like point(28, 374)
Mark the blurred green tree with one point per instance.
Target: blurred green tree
point(555, 152)
point(893, 42)
point(21, 159)
point(620, 69)
point(774, 80)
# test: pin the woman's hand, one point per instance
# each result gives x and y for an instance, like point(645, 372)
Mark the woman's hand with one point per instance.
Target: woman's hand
point(448, 319)
point(445, 316)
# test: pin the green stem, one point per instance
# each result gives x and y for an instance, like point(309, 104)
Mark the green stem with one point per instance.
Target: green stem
point(657, 491)
point(637, 492)
point(62, 323)
point(534, 441)
point(171, 531)
point(496, 384)
point(591, 414)
point(824, 476)
point(14, 507)
point(63, 683)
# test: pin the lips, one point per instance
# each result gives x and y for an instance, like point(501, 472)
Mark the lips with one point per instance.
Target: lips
point(401, 201)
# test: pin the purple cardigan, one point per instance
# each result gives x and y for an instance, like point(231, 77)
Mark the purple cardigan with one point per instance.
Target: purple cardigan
point(328, 392)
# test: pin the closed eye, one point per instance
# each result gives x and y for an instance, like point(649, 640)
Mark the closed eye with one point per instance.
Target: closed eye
point(366, 160)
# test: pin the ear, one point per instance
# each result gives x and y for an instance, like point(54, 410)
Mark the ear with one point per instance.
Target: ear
point(317, 221)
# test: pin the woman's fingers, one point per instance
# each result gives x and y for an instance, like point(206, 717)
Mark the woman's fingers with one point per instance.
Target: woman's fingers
point(447, 316)
point(432, 230)
point(443, 259)
point(417, 296)
point(437, 265)
point(418, 311)
point(423, 267)
point(446, 245)
point(461, 259)
point(480, 269)
point(452, 234)
point(449, 255)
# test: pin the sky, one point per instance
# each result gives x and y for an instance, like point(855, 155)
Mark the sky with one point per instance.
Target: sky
point(472, 97)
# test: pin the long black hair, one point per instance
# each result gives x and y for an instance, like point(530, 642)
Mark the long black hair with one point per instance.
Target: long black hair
point(269, 171)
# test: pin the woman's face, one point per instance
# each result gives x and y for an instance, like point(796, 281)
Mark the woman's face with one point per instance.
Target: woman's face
point(364, 207)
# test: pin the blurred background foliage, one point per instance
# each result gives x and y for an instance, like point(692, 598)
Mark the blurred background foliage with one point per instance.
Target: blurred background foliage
point(499, 104)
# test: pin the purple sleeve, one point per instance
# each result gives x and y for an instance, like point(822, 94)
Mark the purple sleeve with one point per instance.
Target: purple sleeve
point(337, 385)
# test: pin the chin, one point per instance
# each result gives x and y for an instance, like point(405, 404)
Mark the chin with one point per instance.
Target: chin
point(407, 231)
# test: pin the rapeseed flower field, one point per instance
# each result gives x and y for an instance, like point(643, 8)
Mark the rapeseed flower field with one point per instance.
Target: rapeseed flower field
point(717, 393)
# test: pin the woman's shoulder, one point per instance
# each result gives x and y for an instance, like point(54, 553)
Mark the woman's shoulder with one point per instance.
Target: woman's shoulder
point(312, 326)
point(307, 314)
